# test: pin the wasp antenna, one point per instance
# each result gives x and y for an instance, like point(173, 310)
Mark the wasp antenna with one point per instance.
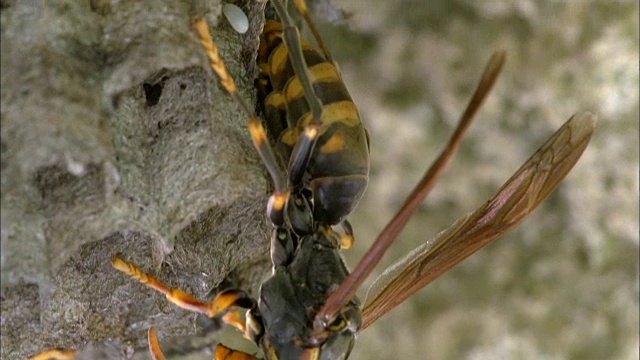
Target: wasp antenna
point(256, 129)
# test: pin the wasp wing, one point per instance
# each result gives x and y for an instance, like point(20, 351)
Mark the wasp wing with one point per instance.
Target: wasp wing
point(517, 198)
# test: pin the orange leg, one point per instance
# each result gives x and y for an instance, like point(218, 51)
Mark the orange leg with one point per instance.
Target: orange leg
point(221, 303)
point(55, 354)
point(154, 345)
point(225, 353)
point(222, 352)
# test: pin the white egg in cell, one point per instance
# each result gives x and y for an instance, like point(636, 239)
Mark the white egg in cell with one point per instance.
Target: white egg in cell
point(236, 17)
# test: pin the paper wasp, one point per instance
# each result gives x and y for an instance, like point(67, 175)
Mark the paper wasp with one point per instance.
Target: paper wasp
point(339, 312)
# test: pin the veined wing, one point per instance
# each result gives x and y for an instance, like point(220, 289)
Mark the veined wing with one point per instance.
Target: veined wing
point(517, 198)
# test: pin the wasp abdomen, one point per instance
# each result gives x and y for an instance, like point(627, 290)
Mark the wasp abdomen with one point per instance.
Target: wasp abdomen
point(338, 168)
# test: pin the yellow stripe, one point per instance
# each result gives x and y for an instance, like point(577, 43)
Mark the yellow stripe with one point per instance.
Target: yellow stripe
point(271, 26)
point(342, 111)
point(336, 143)
point(276, 100)
point(323, 72)
point(280, 56)
point(289, 137)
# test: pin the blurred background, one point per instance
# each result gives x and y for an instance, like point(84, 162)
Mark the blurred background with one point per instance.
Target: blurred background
point(564, 284)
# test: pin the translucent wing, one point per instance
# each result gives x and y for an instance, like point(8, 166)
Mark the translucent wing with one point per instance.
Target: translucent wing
point(518, 197)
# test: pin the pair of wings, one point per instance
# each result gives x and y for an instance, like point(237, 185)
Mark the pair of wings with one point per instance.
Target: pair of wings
point(516, 199)
point(536, 179)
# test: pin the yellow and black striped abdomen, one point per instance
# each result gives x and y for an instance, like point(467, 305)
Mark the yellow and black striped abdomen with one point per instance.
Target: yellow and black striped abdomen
point(339, 165)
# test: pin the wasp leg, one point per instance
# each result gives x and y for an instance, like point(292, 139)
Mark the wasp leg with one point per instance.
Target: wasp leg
point(154, 345)
point(304, 147)
point(292, 41)
point(219, 304)
point(234, 319)
point(222, 352)
point(225, 353)
point(55, 354)
point(311, 354)
point(279, 198)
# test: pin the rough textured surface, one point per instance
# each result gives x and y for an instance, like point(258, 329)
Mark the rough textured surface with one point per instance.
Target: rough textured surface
point(130, 161)
point(117, 139)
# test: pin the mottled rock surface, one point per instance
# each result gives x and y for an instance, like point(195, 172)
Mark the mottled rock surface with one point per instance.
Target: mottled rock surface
point(116, 138)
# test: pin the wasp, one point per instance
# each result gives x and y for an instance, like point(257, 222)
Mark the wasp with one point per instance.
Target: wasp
point(307, 308)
